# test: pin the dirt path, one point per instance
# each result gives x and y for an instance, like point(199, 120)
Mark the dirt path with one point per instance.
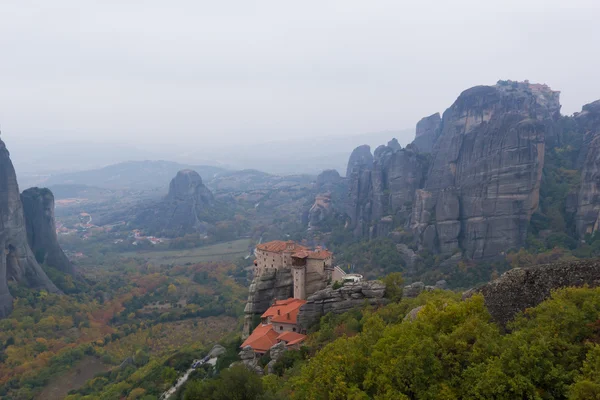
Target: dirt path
point(60, 386)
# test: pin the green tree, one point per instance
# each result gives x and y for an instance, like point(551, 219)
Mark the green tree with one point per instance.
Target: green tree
point(394, 284)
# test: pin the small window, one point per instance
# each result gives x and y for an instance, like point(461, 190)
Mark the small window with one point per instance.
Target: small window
point(294, 329)
point(280, 327)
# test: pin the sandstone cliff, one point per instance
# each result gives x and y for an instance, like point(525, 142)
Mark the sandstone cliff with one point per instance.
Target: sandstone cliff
point(38, 208)
point(341, 300)
point(18, 262)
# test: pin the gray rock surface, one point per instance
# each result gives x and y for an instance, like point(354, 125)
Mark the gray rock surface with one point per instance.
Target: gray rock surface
point(250, 360)
point(384, 188)
point(38, 209)
point(216, 351)
point(409, 256)
point(263, 291)
point(18, 262)
point(413, 290)
point(412, 314)
point(275, 352)
point(483, 183)
point(328, 178)
point(588, 198)
point(427, 132)
point(359, 158)
point(186, 208)
point(522, 288)
point(321, 210)
point(341, 300)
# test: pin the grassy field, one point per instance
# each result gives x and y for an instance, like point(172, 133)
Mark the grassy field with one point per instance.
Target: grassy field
point(226, 251)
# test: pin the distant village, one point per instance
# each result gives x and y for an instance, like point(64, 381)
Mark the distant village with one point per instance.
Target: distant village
point(86, 229)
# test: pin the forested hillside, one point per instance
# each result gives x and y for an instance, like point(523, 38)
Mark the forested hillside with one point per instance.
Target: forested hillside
point(447, 349)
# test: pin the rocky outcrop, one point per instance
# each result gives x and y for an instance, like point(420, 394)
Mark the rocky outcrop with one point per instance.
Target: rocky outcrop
point(189, 207)
point(483, 183)
point(522, 288)
point(321, 210)
point(38, 208)
point(588, 198)
point(384, 189)
point(275, 352)
point(264, 289)
point(427, 132)
point(360, 158)
point(18, 262)
point(413, 314)
point(416, 288)
point(250, 359)
point(341, 300)
point(327, 179)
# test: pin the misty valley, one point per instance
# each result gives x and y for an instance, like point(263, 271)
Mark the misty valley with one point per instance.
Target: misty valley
point(463, 265)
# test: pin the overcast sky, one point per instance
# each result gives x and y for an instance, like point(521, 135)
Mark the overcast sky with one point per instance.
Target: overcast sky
point(217, 72)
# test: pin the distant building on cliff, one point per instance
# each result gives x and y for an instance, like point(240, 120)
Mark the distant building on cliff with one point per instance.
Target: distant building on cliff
point(278, 324)
point(310, 268)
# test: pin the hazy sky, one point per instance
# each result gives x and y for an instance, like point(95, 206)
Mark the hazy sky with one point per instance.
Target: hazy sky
point(217, 72)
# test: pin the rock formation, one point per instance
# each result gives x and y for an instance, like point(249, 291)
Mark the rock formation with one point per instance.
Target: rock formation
point(522, 288)
point(327, 179)
point(321, 210)
point(264, 289)
point(360, 157)
point(427, 132)
point(341, 300)
point(483, 183)
point(187, 208)
point(474, 195)
point(38, 208)
point(384, 190)
point(18, 262)
point(331, 193)
point(588, 199)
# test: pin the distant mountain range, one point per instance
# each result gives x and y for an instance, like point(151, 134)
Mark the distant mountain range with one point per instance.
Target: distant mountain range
point(43, 164)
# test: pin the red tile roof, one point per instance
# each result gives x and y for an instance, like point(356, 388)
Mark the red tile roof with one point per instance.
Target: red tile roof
point(263, 337)
point(291, 338)
point(279, 246)
point(320, 254)
point(284, 311)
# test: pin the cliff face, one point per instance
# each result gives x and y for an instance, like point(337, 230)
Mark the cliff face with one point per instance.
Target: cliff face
point(38, 208)
point(475, 192)
point(483, 183)
point(184, 210)
point(360, 157)
point(18, 262)
point(427, 132)
point(588, 199)
point(265, 289)
point(384, 190)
